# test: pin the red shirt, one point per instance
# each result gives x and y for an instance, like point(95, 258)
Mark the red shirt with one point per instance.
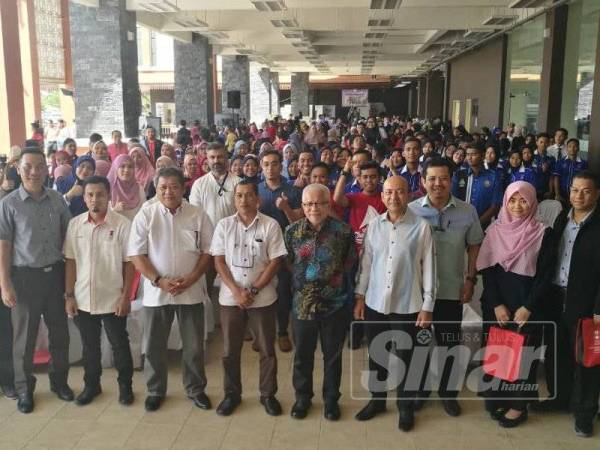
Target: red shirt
point(363, 208)
point(114, 151)
point(151, 145)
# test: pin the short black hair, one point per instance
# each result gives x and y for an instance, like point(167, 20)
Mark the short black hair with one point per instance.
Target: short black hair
point(362, 152)
point(574, 140)
point(478, 147)
point(96, 179)
point(246, 183)
point(321, 165)
point(564, 130)
point(95, 137)
point(437, 161)
point(32, 151)
point(542, 135)
point(271, 153)
point(588, 175)
point(369, 165)
point(413, 139)
point(307, 150)
point(168, 172)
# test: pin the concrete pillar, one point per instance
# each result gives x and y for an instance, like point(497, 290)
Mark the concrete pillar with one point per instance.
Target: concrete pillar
point(551, 81)
point(29, 62)
point(12, 108)
point(274, 93)
point(260, 93)
point(105, 77)
point(299, 94)
point(594, 145)
point(236, 77)
point(193, 80)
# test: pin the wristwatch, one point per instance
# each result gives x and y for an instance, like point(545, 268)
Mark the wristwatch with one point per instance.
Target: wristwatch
point(345, 173)
point(69, 295)
point(472, 280)
point(254, 290)
point(156, 281)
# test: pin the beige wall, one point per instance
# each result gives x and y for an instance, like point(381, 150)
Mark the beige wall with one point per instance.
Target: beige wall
point(478, 75)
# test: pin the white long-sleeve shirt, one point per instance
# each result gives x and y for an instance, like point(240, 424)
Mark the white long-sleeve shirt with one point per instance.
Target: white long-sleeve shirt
point(397, 267)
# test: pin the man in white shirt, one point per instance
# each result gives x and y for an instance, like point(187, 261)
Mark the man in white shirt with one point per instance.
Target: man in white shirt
point(169, 244)
point(98, 280)
point(247, 248)
point(559, 148)
point(396, 283)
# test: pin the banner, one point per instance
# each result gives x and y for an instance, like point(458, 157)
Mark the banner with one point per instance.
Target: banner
point(355, 97)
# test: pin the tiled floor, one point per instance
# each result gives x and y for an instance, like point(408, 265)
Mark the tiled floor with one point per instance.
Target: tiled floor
point(178, 424)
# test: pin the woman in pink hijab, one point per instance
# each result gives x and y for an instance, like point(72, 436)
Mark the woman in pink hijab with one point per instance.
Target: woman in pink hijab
point(508, 261)
point(102, 168)
point(144, 172)
point(127, 195)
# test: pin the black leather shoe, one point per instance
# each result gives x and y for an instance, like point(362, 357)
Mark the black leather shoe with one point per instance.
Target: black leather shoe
point(63, 391)
point(513, 423)
point(300, 408)
point(406, 419)
point(272, 405)
point(153, 402)
point(584, 428)
point(228, 405)
point(201, 401)
point(548, 406)
point(25, 403)
point(332, 410)
point(498, 414)
point(8, 390)
point(418, 404)
point(371, 409)
point(125, 395)
point(88, 394)
point(451, 407)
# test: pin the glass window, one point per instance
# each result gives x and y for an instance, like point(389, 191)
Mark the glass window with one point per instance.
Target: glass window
point(524, 68)
point(578, 80)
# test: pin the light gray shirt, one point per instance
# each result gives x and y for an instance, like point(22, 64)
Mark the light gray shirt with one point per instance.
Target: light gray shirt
point(455, 227)
point(35, 228)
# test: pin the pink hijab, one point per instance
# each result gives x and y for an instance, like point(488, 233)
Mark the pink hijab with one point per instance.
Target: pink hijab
point(514, 243)
point(102, 167)
point(62, 171)
point(144, 174)
point(127, 192)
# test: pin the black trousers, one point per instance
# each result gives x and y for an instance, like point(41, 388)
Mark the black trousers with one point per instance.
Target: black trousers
point(447, 335)
point(577, 387)
point(331, 330)
point(406, 388)
point(284, 300)
point(6, 339)
point(39, 293)
point(90, 327)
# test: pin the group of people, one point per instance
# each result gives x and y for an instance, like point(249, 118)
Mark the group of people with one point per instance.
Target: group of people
point(380, 223)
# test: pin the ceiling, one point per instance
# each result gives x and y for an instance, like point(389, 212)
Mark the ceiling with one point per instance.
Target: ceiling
point(337, 37)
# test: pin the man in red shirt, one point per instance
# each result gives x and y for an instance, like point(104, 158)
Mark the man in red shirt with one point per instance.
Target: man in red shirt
point(117, 147)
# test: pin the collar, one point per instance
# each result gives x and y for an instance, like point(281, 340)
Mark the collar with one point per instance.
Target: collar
point(165, 211)
point(578, 159)
point(451, 202)
point(482, 171)
point(407, 216)
point(237, 219)
point(585, 220)
point(105, 221)
point(306, 226)
point(405, 169)
point(25, 195)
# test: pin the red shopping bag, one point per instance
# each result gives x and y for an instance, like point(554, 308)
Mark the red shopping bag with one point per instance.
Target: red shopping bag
point(503, 353)
point(587, 343)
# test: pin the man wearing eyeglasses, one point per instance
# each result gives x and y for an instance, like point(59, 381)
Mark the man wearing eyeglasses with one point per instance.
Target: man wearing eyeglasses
point(456, 228)
point(321, 254)
point(247, 248)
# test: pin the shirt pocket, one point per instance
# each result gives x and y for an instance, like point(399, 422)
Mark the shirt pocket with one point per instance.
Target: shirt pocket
point(190, 241)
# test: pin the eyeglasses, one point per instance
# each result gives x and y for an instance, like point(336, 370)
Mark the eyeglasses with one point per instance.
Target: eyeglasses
point(309, 205)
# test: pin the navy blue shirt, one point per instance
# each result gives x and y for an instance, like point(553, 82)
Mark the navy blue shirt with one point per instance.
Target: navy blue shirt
point(269, 196)
point(544, 176)
point(565, 169)
point(486, 189)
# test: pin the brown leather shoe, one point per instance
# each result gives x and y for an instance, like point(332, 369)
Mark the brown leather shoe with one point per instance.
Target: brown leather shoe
point(285, 345)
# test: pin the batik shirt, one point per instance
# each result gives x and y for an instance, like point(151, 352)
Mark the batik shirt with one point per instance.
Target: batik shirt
point(321, 265)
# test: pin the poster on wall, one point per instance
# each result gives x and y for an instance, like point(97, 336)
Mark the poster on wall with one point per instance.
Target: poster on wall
point(355, 97)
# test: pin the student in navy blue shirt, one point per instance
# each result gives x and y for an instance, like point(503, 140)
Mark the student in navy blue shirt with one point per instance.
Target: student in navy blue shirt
point(358, 158)
point(411, 171)
point(478, 186)
point(281, 201)
point(545, 164)
point(565, 169)
point(529, 169)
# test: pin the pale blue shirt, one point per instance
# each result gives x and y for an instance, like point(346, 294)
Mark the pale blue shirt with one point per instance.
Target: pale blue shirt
point(455, 227)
